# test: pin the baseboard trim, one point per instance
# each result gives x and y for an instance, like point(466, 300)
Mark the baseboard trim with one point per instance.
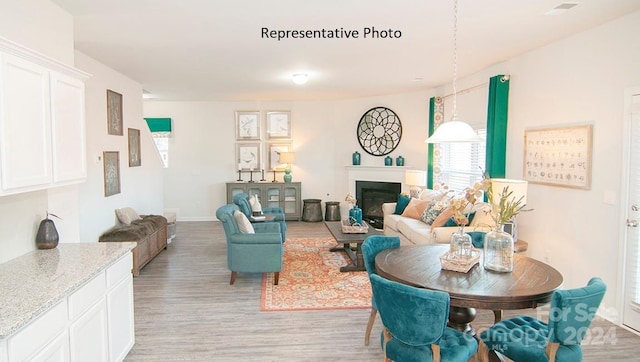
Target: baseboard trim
point(197, 218)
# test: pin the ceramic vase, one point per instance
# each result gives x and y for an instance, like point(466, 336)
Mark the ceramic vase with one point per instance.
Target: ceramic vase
point(355, 158)
point(47, 236)
point(399, 161)
point(388, 161)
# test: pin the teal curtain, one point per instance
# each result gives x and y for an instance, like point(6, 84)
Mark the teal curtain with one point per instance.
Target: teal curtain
point(159, 124)
point(430, 145)
point(497, 115)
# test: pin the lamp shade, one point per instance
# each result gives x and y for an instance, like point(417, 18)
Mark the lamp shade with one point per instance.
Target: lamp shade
point(454, 131)
point(517, 187)
point(415, 178)
point(287, 157)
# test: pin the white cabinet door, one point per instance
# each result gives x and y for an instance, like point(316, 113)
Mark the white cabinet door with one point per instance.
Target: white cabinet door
point(56, 351)
point(68, 129)
point(121, 323)
point(88, 335)
point(25, 124)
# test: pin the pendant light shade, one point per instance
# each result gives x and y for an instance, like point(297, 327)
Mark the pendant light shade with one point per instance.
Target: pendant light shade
point(452, 132)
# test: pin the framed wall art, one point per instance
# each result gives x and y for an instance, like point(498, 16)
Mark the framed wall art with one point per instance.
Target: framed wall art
point(274, 150)
point(278, 125)
point(114, 113)
point(248, 156)
point(134, 147)
point(559, 156)
point(111, 161)
point(247, 125)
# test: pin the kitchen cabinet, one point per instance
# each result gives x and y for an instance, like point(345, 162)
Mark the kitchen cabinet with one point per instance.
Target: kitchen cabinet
point(42, 121)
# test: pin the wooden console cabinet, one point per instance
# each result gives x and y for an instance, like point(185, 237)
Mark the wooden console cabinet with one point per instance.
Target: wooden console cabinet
point(286, 195)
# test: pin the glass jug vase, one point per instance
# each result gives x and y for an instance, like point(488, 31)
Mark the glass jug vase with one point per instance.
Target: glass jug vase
point(498, 251)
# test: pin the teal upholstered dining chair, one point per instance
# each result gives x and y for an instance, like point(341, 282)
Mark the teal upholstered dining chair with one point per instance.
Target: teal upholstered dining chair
point(258, 252)
point(242, 200)
point(525, 338)
point(415, 324)
point(371, 246)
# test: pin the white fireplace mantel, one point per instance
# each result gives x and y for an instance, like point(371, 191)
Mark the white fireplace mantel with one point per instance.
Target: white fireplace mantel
point(376, 173)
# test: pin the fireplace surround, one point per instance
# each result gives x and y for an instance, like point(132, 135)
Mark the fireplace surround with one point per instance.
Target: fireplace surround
point(371, 195)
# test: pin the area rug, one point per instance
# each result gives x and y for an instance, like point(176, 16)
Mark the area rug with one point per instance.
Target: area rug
point(311, 280)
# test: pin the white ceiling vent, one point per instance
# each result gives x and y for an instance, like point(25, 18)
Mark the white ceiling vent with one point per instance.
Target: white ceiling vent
point(562, 8)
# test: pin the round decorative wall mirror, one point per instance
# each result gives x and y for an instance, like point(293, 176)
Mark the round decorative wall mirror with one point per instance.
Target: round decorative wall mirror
point(379, 131)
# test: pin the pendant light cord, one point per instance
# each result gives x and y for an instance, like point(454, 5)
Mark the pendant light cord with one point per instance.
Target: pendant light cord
point(455, 58)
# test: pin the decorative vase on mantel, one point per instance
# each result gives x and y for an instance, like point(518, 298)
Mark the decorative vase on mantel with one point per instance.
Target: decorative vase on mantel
point(498, 251)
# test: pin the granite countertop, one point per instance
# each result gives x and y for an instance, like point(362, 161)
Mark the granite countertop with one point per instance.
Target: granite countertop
point(32, 283)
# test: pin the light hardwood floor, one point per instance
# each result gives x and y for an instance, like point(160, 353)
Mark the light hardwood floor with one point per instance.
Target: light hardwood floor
point(186, 310)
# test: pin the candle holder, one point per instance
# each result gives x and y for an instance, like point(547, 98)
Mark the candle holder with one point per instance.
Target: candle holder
point(239, 176)
point(274, 176)
point(251, 176)
point(263, 179)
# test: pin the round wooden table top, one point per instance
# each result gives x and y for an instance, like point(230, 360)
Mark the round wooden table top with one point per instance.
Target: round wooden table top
point(531, 283)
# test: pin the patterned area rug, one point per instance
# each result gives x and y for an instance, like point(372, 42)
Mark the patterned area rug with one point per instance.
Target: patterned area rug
point(311, 280)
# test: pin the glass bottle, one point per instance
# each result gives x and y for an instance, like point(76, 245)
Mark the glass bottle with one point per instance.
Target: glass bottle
point(399, 161)
point(460, 243)
point(498, 251)
point(388, 161)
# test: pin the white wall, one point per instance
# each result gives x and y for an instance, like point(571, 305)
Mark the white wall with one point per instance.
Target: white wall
point(42, 26)
point(202, 152)
point(141, 187)
point(86, 213)
point(577, 80)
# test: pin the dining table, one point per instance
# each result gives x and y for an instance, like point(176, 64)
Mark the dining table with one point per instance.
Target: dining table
point(530, 284)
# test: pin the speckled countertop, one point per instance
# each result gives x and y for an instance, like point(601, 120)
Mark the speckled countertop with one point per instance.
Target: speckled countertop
point(32, 283)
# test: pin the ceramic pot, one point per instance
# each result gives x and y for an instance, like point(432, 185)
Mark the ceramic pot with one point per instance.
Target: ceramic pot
point(388, 161)
point(47, 236)
point(355, 158)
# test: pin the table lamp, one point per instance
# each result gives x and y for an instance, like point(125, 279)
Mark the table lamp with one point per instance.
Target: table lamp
point(287, 158)
point(416, 180)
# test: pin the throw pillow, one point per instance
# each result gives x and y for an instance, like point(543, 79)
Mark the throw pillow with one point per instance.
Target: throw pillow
point(256, 207)
point(244, 225)
point(415, 208)
point(442, 218)
point(477, 239)
point(452, 221)
point(126, 215)
point(401, 204)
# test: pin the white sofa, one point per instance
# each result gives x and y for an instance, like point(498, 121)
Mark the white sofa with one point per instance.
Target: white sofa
point(412, 231)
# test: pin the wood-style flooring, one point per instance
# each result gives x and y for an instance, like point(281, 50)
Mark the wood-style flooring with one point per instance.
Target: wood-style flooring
point(185, 310)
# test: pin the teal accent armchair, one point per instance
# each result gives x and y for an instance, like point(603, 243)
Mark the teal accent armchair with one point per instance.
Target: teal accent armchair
point(242, 200)
point(525, 338)
point(251, 253)
point(371, 246)
point(415, 324)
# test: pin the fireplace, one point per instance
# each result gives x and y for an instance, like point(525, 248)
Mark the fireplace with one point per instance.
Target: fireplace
point(371, 195)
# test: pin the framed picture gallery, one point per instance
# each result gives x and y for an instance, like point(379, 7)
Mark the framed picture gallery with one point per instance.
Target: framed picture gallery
point(248, 156)
point(273, 155)
point(278, 125)
point(114, 113)
point(247, 125)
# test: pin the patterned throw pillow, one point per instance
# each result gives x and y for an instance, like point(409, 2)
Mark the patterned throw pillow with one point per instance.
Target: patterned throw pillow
point(434, 209)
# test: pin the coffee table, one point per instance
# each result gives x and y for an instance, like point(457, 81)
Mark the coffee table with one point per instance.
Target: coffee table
point(346, 239)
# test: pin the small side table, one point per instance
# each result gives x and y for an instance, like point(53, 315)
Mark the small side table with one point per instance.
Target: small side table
point(520, 246)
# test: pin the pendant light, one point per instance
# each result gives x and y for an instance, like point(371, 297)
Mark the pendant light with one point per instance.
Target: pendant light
point(454, 130)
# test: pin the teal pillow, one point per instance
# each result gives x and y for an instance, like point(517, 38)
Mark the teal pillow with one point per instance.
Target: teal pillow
point(452, 221)
point(401, 204)
point(477, 238)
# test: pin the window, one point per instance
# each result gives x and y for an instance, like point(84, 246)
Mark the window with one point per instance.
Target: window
point(463, 163)
point(161, 132)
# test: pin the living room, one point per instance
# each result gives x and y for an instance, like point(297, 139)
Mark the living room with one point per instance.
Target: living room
point(577, 80)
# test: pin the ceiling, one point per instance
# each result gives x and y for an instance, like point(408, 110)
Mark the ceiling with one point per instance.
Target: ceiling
point(214, 49)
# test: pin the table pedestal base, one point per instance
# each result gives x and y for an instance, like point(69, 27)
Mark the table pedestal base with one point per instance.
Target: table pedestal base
point(460, 318)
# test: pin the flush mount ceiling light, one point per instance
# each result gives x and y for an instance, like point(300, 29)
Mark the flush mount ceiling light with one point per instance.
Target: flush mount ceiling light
point(300, 78)
point(454, 130)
